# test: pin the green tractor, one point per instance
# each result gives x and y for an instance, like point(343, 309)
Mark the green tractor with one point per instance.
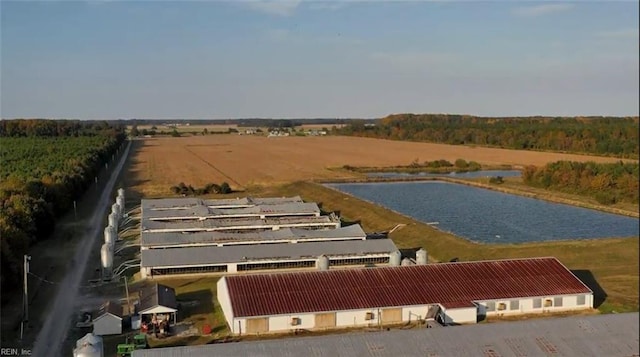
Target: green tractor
point(126, 349)
point(139, 343)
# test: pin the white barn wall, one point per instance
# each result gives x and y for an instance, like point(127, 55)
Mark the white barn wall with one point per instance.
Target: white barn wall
point(225, 303)
point(412, 313)
point(357, 318)
point(569, 303)
point(239, 326)
point(283, 322)
point(462, 315)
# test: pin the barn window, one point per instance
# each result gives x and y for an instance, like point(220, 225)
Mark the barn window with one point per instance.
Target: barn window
point(502, 306)
point(514, 304)
point(557, 301)
point(581, 300)
point(295, 321)
point(491, 306)
point(537, 303)
point(369, 316)
point(548, 302)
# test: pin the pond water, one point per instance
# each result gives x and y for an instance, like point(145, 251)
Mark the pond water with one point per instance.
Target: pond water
point(469, 174)
point(488, 216)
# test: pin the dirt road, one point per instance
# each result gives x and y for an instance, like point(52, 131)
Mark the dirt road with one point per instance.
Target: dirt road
point(57, 323)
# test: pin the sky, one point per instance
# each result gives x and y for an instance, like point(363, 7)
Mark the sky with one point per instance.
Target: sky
point(112, 59)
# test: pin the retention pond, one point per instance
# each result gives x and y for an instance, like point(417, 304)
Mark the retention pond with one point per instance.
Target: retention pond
point(488, 216)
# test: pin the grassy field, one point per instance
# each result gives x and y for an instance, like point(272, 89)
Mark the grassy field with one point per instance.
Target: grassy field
point(245, 160)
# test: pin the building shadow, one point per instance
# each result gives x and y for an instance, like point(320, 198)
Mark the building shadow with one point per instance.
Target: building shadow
point(599, 295)
point(197, 302)
point(409, 252)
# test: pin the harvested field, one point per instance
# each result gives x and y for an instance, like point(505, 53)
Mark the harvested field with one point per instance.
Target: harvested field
point(244, 161)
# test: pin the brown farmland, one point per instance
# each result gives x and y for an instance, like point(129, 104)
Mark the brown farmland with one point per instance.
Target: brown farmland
point(243, 160)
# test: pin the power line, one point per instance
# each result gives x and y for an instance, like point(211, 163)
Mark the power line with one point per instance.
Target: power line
point(57, 283)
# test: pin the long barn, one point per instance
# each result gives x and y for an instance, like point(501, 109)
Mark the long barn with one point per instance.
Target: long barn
point(453, 293)
point(186, 236)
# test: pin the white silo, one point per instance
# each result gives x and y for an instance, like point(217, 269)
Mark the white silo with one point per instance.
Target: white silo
point(421, 257)
point(322, 263)
point(89, 338)
point(106, 256)
point(394, 258)
point(120, 203)
point(88, 350)
point(109, 235)
point(115, 209)
point(113, 221)
point(406, 262)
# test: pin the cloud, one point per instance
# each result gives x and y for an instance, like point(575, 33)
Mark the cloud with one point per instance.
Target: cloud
point(274, 7)
point(540, 10)
point(623, 33)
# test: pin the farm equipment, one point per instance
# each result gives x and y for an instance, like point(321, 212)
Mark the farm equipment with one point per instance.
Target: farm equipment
point(126, 349)
point(139, 343)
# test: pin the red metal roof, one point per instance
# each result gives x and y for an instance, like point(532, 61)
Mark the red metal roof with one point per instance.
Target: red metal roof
point(349, 289)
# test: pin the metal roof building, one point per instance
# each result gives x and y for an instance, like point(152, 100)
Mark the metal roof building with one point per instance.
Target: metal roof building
point(242, 258)
point(183, 203)
point(154, 240)
point(242, 224)
point(196, 236)
point(613, 335)
point(261, 211)
point(454, 292)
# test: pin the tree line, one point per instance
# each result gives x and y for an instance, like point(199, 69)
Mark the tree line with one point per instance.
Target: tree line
point(607, 136)
point(188, 190)
point(607, 183)
point(46, 165)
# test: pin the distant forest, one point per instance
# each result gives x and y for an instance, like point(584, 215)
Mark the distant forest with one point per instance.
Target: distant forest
point(606, 136)
point(249, 122)
point(607, 183)
point(45, 166)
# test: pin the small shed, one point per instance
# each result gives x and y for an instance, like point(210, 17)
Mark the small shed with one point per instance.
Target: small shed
point(157, 299)
point(108, 320)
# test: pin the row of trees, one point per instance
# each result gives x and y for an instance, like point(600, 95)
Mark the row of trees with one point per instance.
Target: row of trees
point(41, 176)
point(188, 190)
point(607, 183)
point(54, 128)
point(594, 135)
point(460, 165)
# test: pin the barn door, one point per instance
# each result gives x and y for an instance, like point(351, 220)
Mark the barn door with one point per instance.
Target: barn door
point(258, 325)
point(390, 316)
point(325, 320)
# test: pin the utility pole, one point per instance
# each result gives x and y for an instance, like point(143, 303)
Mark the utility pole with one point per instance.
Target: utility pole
point(126, 288)
point(25, 299)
